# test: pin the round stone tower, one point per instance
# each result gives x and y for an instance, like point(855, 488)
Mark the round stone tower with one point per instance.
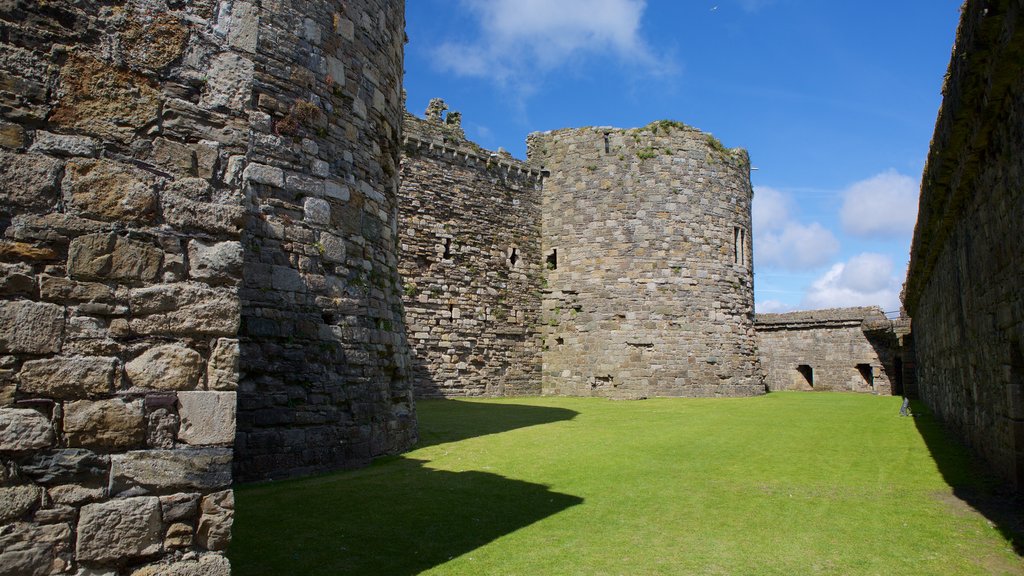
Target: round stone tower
point(649, 288)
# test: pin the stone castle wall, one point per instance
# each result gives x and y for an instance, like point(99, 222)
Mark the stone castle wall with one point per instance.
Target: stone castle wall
point(121, 211)
point(470, 261)
point(197, 200)
point(649, 285)
point(325, 363)
point(849, 349)
point(963, 288)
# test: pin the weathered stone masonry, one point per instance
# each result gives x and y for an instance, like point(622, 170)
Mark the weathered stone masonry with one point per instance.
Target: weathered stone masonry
point(847, 349)
point(195, 197)
point(963, 288)
point(649, 284)
point(470, 261)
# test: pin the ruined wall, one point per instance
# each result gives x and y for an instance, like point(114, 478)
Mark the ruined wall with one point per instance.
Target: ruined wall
point(470, 260)
point(963, 288)
point(649, 286)
point(848, 349)
point(120, 262)
point(325, 364)
point(195, 197)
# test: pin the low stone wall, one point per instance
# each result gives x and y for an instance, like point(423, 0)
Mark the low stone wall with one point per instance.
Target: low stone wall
point(848, 349)
point(120, 264)
point(963, 288)
point(649, 283)
point(470, 261)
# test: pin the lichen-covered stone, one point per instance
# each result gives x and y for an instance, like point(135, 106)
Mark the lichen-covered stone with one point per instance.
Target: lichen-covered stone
point(153, 40)
point(110, 191)
point(28, 182)
point(111, 424)
point(119, 530)
point(206, 417)
point(102, 100)
point(179, 535)
point(23, 429)
point(68, 377)
point(16, 501)
point(162, 429)
point(167, 367)
point(162, 471)
point(222, 369)
point(214, 532)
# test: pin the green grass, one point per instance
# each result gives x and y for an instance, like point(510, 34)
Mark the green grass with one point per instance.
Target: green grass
point(788, 484)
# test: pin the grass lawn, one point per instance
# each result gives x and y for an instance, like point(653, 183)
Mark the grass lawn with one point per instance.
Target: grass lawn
point(788, 484)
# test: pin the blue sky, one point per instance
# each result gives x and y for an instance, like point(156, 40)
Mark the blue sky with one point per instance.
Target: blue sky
point(835, 101)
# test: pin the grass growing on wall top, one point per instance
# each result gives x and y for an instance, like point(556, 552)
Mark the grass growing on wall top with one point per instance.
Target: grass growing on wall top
point(789, 483)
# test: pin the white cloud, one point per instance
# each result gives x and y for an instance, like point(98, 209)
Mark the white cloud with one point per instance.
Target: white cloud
point(795, 247)
point(772, 307)
point(770, 209)
point(883, 205)
point(520, 38)
point(864, 280)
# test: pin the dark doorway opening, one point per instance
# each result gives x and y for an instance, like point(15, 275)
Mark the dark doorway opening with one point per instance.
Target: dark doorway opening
point(868, 374)
point(552, 259)
point(805, 378)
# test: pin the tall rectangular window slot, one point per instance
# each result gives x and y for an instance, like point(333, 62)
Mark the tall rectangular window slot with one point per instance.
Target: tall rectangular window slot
point(739, 242)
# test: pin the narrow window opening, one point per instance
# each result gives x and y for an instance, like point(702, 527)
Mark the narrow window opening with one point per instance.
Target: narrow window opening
point(559, 340)
point(513, 257)
point(607, 144)
point(447, 248)
point(805, 378)
point(739, 241)
point(867, 373)
point(552, 259)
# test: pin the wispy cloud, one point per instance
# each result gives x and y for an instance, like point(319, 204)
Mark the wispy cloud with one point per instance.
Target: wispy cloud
point(780, 241)
point(864, 280)
point(883, 205)
point(521, 39)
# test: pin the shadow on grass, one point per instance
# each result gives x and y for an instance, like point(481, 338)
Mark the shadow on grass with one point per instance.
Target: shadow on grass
point(397, 517)
point(967, 476)
point(443, 421)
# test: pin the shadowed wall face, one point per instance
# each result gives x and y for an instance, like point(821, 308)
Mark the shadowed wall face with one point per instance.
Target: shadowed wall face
point(325, 364)
point(648, 264)
point(471, 264)
point(967, 259)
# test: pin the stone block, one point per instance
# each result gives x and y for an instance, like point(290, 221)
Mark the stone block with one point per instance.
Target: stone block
point(16, 501)
point(105, 256)
point(17, 280)
point(153, 41)
point(66, 466)
point(104, 424)
point(218, 509)
point(175, 157)
point(184, 309)
point(317, 211)
point(109, 191)
point(68, 378)
point(28, 182)
point(11, 136)
point(229, 82)
point(207, 418)
point(243, 24)
point(34, 550)
point(179, 535)
point(222, 369)
point(167, 367)
point(63, 290)
point(332, 248)
point(103, 100)
point(206, 565)
point(162, 429)
point(263, 174)
point(119, 530)
point(65, 145)
point(219, 263)
point(163, 471)
point(23, 430)
point(74, 495)
point(182, 507)
point(187, 204)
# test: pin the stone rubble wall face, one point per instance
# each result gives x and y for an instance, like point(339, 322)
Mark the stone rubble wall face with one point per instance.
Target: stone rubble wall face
point(967, 260)
point(647, 298)
point(120, 267)
point(833, 353)
point(325, 362)
point(472, 316)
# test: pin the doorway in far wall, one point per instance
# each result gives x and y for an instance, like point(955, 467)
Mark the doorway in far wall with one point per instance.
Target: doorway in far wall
point(804, 378)
point(868, 374)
